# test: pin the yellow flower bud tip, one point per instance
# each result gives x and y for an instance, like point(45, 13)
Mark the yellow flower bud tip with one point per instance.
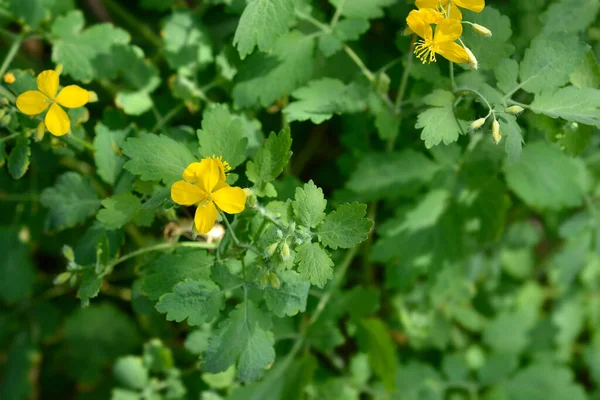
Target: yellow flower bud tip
point(496, 135)
point(473, 63)
point(514, 110)
point(92, 97)
point(478, 123)
point(59, 69)
point(40, 131)
point(285, 251)
point(271, 249)
point(482, 30)
point(9, 78)
point(274, 281)
point(24, 235)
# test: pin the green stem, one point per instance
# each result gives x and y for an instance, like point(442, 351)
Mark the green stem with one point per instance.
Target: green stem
point(168, 117)
point(475, 92)
point(7, 94)
point(12, 52)
point(9, 137)
point(452, 83)
point(158, 247)
point(338, 14)
point(235, 239)
point(361, 65)
point(132, 20)
point(83, 143)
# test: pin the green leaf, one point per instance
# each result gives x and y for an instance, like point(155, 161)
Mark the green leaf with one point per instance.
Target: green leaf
point(18, 160)
point(76, 48)
point(314, 264)
point(71, 201)
point(542, 382)
point(376, 176)
point(186, 43)
point(509, 128)
point(262, 22)
point(197, 300)
point(381, 351)
point(18, 366)
point(290, 298)
point(549, 62)
point(489, 50)
point(108, 157)
point(29, 11)
point(537, 181)
point(507, 74)
point(569, 16)
point(131, 372)
point(438, 123)
point(321, 99)
point(120, 210)
point(570, 103)
point(362, 9)
point(508, 332)
point(243, 338)
point(309, 205)
point(263, 78)
point(346, 227)
point(222, 135)
point(269, 160)
point(170, 269)
point(17, 272)
point(89, 286)
point(156, 158)
point(134, 103)
point(588, 73)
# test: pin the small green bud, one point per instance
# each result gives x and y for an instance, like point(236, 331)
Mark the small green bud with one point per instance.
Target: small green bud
point(482, 30)
point(274, 280)
point(473, 63)
point(478, 123)
point(285, 251)
point(496, 135)
point(68, 253)
point(271, 249)
point(515, 110)
point(62, 278)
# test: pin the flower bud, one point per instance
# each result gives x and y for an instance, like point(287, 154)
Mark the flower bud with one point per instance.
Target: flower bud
point(68, 253)
point(473, 63)
point(9, 78)
point(496, 135)
point(92, 96)
point(285, 251)
point(59, 69)
point(482, 30)
point(515, 110)
point(62, 278)
point(478, 123)
point(274, 281)
point(271, 249)
point(39, 131)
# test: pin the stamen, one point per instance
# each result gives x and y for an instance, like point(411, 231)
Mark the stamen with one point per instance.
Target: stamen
point(424, 51)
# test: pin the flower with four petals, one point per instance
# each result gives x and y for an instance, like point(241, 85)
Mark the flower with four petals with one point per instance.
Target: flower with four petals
point(34, 102)
point(204, 184)
point(454, 12)
point(442, 42)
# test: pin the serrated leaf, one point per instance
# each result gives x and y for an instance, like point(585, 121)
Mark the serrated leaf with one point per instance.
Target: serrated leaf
point(18, 160)
point(243, 339)
point(108, 157)
point(186, 43)
point(570, 103)
point(261, 23)
point(549, 62)
point(263, 78)
point(489, 50)
point(513, 142)
point(314, 264)
point(76, 48)
point(170, 269)
point(222, 135)
point(507, 74)
point(269, 160)
point(30, 11)
point(544, 381)
point(569, 16)
point(362, 9)
point(539, 184)
point(71, 201)
point(198, 301)
point(89, 286)
point(309, 205)
point(381, 351)
point(438, 123)
point(156, 158)
point(346, 227)
point(119, 210)
point(588, 73)
point(376, 175)
point(17, 272)
point(290, 298)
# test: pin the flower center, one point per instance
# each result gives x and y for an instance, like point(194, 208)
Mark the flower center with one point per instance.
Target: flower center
point(425, 50)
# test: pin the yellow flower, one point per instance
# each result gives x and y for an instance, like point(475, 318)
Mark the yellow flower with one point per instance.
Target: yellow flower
point(204, 184)
point(455, 13)
point(446, 32)
point(9, 78)
point(35, 102)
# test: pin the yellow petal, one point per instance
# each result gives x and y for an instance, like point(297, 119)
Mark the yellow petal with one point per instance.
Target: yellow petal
point(418, 26)
point(205, 174)
point(73, 96)
point(232, 200)
point(57, 121)
point(186, 194)
point(32, 102)
point(473, 5)
point(429, 15)
point(47, 83)
point(453, 52)
point(205, 217)
point(447, 30)
point(455, 13)
point(429, 4)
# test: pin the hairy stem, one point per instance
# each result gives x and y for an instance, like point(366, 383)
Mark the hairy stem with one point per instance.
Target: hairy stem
point(12, 52)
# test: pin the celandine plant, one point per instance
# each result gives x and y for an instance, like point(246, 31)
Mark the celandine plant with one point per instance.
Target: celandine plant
point(300, 199)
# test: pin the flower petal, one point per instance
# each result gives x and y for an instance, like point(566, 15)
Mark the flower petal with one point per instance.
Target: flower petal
point(428, 4)
point(32, 102)
point(186, 194)
point(447, 30)
point(232, 200)
point(205, 174)
point(73, 96)
point(453, 52)
point(47, 83)
point(205, 217)
point(429, 15)
point(473, 5)
point(418, 25)
point(57, 121)
point(455, 13)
